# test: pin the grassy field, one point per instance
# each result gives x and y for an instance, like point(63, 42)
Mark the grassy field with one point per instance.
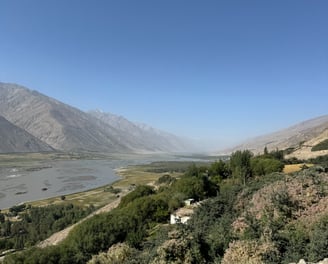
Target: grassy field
point(96, 197)
point(143, 174)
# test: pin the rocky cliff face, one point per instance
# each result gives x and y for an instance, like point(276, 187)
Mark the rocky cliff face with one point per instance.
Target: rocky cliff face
point(15, 139)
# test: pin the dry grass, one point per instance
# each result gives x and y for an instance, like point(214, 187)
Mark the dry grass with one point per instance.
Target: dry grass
point(139, 175)
point(290, 168)
point(97, 197)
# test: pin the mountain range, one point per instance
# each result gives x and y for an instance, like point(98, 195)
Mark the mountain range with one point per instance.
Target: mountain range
point(33, 122)
point(55, 125)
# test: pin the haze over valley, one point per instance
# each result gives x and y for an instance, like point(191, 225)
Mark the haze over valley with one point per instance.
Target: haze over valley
point(157, 132)
point(33, 122)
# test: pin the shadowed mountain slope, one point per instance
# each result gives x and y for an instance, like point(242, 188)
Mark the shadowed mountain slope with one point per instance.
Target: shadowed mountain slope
point(15, 139)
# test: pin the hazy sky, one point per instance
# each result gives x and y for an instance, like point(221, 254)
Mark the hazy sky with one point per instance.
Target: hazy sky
point(216, 70)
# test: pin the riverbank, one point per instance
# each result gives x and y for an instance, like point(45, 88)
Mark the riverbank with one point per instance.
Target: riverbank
point(40, 176)
point(98, 197)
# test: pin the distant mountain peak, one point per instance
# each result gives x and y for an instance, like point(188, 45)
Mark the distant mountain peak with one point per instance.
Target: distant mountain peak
point(142, 136)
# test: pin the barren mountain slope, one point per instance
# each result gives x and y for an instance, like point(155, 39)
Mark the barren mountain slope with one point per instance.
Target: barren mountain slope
point(59, 125)
point(142, 135)
point(305, 150)
point(15, 139)
point(67, 128)
point(287, 138)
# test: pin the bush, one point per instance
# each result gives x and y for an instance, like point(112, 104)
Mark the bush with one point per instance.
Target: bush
point(248, 251)
point(165, 179)
point(17, 209)
point(319, 240)
point(195, 187)
point(140, 191)
point(113, 190)
point(262, 166)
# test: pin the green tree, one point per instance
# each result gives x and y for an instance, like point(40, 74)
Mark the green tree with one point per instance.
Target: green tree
point(240, 164)
point(140, 191)
point(266, 152)
point(2, 218)
point(219, 170)
point(262, 166)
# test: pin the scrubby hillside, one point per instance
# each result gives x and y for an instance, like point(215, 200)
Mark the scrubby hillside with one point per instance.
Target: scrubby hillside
point(248, 211)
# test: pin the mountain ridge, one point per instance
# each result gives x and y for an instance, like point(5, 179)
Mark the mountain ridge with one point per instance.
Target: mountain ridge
point(291, 137)
point(59, 125)
point(67, 128)
point(141, 133)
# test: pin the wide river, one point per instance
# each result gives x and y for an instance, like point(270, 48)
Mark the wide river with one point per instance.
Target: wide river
point(57, 178)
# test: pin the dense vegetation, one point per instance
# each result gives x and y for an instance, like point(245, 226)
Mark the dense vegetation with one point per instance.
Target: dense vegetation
point(25, 226)
point(250, 211)
point(137, 214)
point(323, 145)
point(321, 160)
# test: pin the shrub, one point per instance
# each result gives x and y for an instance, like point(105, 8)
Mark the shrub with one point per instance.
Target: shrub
point(140, 191)
point(165, 179)
point(262, 166)
point(248, 251)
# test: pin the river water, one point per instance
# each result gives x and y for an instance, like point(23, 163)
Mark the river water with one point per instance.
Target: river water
point(57, 178)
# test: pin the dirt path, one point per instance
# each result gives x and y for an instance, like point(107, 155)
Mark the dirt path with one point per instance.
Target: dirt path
point(58, 237)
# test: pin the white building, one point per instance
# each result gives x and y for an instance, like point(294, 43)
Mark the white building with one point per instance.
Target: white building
point(182, 216)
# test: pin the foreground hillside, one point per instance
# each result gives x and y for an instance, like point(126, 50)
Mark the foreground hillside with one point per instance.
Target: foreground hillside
point(249, 212)
point(66, 128)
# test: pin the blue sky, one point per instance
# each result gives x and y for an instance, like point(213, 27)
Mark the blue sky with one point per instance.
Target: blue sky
point(221, 71)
